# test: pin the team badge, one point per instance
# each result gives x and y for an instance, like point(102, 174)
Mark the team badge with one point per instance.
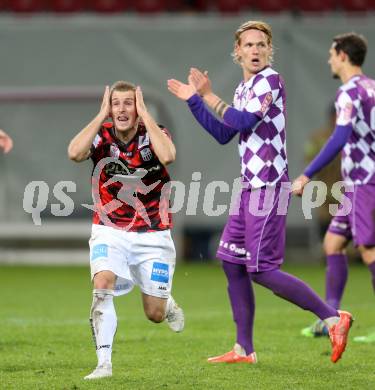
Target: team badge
point(114, 151)
point(266, 102)
point(146, 154)
point(143, 140)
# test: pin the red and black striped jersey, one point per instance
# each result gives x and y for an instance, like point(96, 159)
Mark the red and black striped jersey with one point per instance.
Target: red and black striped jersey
point(130, 185)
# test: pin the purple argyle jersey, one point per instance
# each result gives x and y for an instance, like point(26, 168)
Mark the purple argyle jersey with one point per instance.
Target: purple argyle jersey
point(358, 222)
point(255, 234)
point(355, 105)
point(263, 148)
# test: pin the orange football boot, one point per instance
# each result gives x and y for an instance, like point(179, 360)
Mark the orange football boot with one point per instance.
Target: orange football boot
point(236, 355)
point(339, 335)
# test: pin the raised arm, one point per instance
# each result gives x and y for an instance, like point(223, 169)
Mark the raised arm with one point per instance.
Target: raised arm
point(187, 92)
point(79, 147)
point(242, 121)
point(221, 132)
point(162, 144)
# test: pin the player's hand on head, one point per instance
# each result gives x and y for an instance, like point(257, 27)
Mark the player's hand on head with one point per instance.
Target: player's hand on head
point(105, 108)
point(299, 184)
point(200, 81)
point(181, 90)
point(139, 102)
point(6, 143)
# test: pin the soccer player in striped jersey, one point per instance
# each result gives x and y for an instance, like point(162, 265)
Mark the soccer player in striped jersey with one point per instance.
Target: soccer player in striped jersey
point(252, 245)
point(354, 137)
point(131, 242)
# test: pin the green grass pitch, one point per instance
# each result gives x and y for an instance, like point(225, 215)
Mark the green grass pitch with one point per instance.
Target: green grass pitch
point(45, 340)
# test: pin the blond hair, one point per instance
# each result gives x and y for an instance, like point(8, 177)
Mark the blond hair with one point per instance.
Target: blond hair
point(121, 86)
point(252, 25)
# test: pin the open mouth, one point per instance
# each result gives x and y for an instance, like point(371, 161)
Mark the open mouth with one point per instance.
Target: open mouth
point(255, 61)
point(122, 118)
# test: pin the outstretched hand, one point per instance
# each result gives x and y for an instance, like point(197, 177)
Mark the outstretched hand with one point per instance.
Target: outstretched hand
point(200, 81)
point(299, 184)
point(6, 143)
point(181, 90)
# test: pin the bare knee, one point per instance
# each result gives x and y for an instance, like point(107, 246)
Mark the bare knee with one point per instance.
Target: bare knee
point(367, 254)
point(155, 314)
point(334, 244)
point(154, 307)
point(104, 280)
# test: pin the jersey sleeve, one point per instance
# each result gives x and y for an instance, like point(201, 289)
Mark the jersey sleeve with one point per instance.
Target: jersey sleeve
point(97, 147)
point(346, 108)
point(261, 98)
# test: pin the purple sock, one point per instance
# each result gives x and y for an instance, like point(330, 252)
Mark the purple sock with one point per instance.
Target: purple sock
point(294, 290)
point(336, 277)
point(242, 301)
point(371, 267)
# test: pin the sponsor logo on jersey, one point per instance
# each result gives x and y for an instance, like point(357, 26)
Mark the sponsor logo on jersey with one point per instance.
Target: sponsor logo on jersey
point(160, 272)
point(143, 140)
point(100, 250)
point(146, 154)
point(113, 168)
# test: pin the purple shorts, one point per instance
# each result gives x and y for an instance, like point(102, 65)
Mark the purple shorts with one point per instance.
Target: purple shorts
point(359, 223)
point(255, 234)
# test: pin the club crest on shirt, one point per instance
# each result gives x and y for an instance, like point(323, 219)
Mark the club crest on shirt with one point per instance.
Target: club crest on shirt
point(146, 154)
point(114, 151)
point(266, 102)
point(143, 140)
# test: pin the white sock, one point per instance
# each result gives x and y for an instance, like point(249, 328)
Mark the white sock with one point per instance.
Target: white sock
point(169, 306)
point(103, 323)
point(330, 321)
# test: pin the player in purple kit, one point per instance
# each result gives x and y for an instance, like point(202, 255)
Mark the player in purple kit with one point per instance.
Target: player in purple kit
point(354, 136)
point(252, 244)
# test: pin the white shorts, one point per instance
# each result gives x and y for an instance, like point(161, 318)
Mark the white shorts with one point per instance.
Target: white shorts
point(144, 259)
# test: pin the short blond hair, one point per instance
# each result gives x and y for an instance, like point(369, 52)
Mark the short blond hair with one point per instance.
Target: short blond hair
point(121, 86)
point(252, 25)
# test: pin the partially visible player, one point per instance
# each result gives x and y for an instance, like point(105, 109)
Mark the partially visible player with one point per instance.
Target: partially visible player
point(252, 246)
point(6, 143)
point(131, 242)
point(354, 137)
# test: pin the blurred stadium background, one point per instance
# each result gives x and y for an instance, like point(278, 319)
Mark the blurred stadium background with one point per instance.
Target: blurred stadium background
point(59, 54)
